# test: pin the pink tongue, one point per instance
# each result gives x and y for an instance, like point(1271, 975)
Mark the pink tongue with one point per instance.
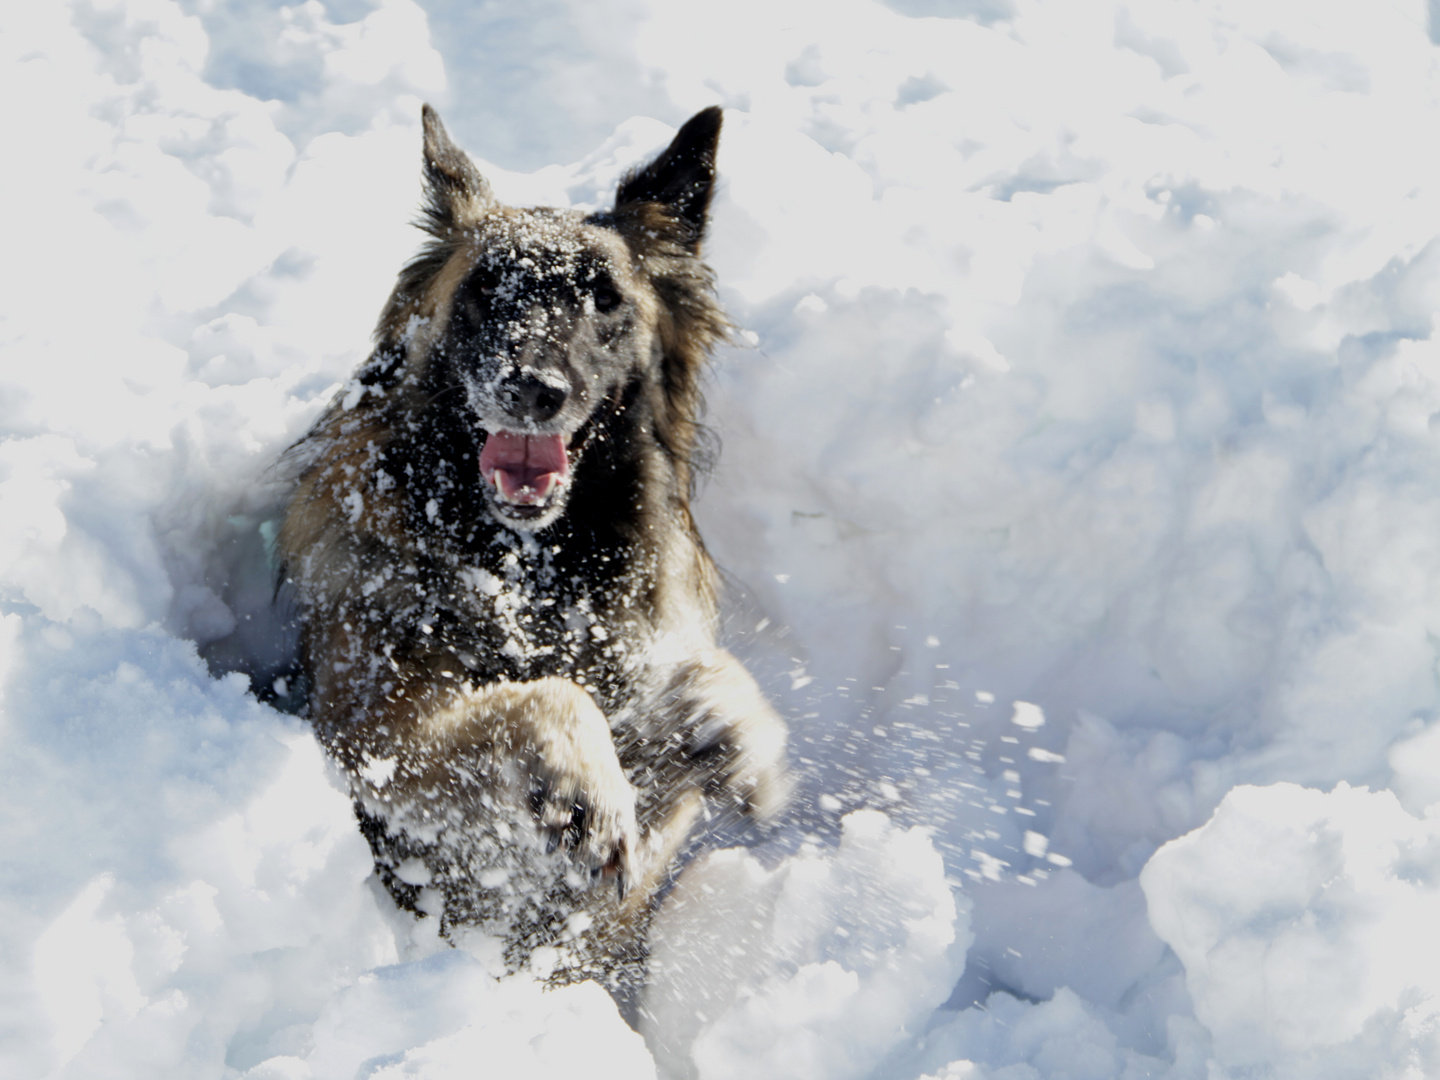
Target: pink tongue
point(525, 469)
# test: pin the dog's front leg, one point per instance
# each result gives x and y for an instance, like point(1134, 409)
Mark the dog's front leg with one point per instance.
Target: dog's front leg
point(730, 733)
point(550, 737)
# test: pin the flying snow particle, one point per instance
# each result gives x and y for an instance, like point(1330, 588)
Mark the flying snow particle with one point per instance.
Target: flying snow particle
point(1027, 715)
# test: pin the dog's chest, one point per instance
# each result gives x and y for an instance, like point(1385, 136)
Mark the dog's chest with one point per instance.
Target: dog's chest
point(534, 609)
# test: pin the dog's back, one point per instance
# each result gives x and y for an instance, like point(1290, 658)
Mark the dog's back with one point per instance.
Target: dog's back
point(509, 618)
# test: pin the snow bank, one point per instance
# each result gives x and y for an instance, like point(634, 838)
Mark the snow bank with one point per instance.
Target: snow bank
point(446, 1017)
point(813, 970)
point(171, 847)
point(1305, 922)
point(1062, 1037)
point(1079, 470)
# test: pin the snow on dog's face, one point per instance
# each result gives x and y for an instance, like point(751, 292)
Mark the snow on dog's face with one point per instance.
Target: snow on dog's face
point(541, 325)
point(542, 334)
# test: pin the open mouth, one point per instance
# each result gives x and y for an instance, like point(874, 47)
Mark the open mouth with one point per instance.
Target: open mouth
point(525, 471)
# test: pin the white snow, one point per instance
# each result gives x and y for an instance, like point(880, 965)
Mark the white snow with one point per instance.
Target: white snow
point(810, 971)
point(1305, 922)
point(1080, 489)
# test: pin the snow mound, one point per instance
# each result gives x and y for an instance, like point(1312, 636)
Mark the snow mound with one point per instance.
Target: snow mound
point(196, 885)
point(1062, 1038)
point(813, 970)
point(1306, 924)
point(444, 1017)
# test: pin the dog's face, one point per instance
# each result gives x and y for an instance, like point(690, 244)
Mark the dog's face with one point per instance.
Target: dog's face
point(547, 323)
point(534, 322)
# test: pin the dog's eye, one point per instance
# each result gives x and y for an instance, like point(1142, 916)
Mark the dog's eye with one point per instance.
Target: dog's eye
point(484, 282)
point(607, 297)
point(474, 301)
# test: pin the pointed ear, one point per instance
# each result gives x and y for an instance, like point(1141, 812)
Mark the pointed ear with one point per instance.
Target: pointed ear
point(455, 192)
point(682, 179)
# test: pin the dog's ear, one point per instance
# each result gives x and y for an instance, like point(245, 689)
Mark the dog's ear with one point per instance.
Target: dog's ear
point(682, 179)
point(456, 194)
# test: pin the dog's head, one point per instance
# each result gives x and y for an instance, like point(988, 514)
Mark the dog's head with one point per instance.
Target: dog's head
point(539, 325)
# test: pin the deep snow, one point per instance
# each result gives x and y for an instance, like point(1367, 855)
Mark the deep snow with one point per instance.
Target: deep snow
point(1080, 495)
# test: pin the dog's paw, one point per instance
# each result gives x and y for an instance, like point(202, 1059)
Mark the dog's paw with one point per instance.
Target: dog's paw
point(588, 817)
point(746, 761)
point(731, 735)
point(578, 792)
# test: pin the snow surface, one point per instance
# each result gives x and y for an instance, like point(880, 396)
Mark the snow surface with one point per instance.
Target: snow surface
point(1080, 494)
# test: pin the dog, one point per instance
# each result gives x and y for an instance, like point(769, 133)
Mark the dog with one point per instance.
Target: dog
point(508, 617)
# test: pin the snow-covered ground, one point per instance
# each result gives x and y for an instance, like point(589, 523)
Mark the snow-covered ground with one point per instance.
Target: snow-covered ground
point(1080, 492)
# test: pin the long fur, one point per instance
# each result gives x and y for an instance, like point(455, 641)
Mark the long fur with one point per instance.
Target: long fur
point(525, 689)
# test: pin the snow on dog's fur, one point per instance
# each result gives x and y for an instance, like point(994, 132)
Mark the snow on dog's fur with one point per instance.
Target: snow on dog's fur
point(509, 618)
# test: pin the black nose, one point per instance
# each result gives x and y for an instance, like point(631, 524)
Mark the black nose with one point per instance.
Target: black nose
point(528, 397)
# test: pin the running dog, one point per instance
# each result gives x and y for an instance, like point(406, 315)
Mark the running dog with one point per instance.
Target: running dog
point(509, 618)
